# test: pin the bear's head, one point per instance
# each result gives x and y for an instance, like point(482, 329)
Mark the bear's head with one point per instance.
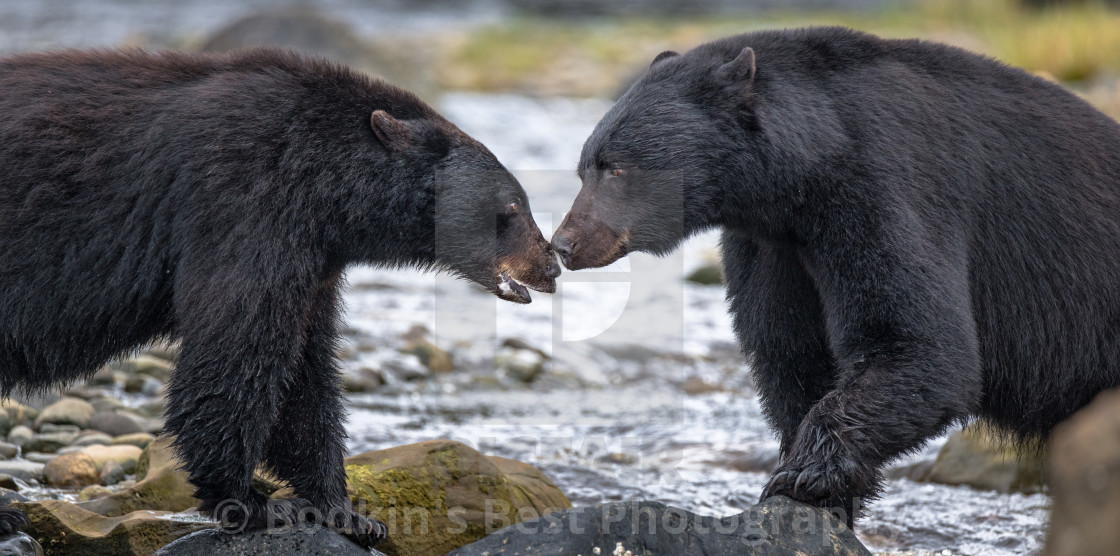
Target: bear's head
point(474, 215)
point(655, 169)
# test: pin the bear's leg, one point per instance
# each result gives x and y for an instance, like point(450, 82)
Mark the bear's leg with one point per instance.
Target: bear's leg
point(779, 323)
point(900, 326)
point(242, 335)
point(306, 445)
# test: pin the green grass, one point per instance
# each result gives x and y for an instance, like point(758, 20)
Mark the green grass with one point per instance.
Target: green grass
point(1079, 43)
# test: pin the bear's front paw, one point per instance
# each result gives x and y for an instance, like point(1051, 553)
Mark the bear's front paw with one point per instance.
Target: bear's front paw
point(365, 531)
point(839, 485)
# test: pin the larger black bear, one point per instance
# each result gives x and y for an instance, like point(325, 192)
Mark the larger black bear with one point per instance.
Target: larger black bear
point(913, 235)
point(217, 199)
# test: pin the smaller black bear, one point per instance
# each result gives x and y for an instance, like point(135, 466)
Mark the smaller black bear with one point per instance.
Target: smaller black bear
point(217, 200)
point(913, 235)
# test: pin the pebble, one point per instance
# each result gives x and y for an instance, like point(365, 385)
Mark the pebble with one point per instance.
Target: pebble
point(71, 470)
point(116, 423)
point(49, 442)
point(39, 457)
point(138, 439)
point(71, 411)
point(8, 451)
point(112, 473)
point(90, 438)
point(22, 470)
point(20, 435)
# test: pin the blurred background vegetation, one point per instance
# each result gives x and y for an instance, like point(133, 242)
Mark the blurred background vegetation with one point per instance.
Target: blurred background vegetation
point(573, 48)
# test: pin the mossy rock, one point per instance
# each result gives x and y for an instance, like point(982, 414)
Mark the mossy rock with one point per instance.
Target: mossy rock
point(978, 458)
point(65, 528)
point(710, 274)
point(438, 495)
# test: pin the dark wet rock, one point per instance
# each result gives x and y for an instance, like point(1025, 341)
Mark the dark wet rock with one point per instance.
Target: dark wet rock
point(20, 544)
point(309, 541)
point(10, 496)
point(1085, 481)
point(449, 490)
point(518, 343)
point(22, 470)
point(974, 457)
point(67, 411)
point(710, 274)
point(115, 423)
point(65, 528)
point(778, 526)
point(71, 470)
point(103, 377)
point(8, 483)
point(160, 486)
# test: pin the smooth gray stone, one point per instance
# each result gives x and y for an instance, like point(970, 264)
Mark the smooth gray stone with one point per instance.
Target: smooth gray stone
point(310, 541)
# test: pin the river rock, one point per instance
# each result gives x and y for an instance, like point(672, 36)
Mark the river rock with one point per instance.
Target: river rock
point(709, 274)
point(522, 365)
point(18, 413)
point(71, 470)
point(976, 458)
point(22, 470)
point(1085, 481)
point(67, 411)
point(20, 435)
point(310, 541)
point(160, 485)
point(6, 423)
point(49, 442)
point(149, 365)
point(91, 438)
point(20, 544)
point(111, 474)
point(429, 354)
point(8, 451)
point(93, 491)
point(778, 526)
point(65, 528)
point(39, 457)
point(104, 403)
point(114, 423)
point(438, 495)
point(138, 439)
point(123, 455)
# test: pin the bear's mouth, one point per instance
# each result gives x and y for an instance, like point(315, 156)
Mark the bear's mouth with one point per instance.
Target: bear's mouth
point(510, 289)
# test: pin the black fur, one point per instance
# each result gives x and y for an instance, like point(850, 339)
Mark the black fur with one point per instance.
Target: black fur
point(217, 200)
point(913, 235)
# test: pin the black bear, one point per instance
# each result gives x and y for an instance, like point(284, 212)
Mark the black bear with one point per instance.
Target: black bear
point(913, 236)
point(217, 199)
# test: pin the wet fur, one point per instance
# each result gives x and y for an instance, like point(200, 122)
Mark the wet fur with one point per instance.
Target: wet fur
point(913, 236)
point(217, 199)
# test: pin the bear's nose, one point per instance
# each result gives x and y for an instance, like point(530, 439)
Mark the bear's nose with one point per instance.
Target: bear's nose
point(563, 247)
point(554, 270)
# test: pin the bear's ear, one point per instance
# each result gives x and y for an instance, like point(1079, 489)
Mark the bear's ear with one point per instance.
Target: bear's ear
point(662, 56)
point(742, 68)
point(393, 133)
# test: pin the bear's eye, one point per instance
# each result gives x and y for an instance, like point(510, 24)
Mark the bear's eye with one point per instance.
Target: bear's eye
point(513, 207)
point(617, 172)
